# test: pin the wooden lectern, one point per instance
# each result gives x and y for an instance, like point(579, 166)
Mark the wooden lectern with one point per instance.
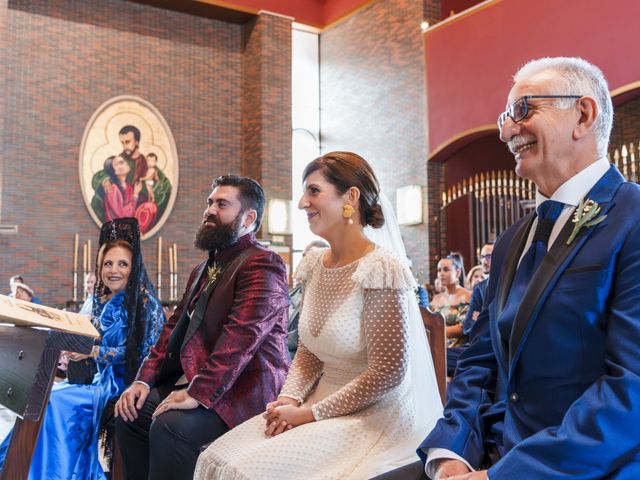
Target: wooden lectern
point(31, 338)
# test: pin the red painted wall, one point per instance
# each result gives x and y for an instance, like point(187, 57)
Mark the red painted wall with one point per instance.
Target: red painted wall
point(470, 61)
point(334, 10)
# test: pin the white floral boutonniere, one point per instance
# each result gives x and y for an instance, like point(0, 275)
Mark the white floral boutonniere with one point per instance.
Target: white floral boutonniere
point(213, 272)
point(586, 215)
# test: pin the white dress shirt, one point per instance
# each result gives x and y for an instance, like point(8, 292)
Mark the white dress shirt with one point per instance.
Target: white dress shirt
point(571, 194)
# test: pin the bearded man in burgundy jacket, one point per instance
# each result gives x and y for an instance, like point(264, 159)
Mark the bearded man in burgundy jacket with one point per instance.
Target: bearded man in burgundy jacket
point(222, 355)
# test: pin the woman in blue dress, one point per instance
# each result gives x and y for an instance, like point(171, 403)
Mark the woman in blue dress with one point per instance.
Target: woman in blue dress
point(129, 318)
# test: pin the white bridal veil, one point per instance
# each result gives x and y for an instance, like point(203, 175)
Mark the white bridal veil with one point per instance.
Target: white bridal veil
point(423, 385)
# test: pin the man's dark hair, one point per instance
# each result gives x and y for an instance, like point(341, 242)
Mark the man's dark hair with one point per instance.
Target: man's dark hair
point(251, 194)
point(130, 128)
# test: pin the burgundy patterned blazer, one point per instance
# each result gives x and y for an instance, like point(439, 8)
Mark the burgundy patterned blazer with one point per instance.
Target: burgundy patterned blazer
point(233, 350)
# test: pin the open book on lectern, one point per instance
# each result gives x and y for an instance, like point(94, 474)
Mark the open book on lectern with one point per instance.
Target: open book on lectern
point(27, 314)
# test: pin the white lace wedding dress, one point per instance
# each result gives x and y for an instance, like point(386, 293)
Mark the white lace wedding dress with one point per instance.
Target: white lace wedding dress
point(351, 368)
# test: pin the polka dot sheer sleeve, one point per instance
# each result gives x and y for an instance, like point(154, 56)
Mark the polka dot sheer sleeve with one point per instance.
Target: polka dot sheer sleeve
point(384, 318)
point(304, 373)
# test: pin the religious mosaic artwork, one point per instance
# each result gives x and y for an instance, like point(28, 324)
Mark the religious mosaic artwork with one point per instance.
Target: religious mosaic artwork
point(129, 164)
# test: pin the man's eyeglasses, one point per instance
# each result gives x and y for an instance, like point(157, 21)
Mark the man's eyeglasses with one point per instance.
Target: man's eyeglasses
point(519, 109)
point(485, 257)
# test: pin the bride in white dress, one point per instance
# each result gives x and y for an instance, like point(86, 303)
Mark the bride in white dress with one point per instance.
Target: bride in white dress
point(361, 391)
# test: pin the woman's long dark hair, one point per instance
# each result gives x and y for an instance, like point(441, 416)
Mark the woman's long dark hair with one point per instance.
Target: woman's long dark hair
point(127, 230)
point(458, 264)
point(111, 172)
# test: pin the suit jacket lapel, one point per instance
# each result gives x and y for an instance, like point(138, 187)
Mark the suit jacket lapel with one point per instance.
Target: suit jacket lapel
point(507, 272)
point(226, 274)
point(198, 311)
point(556, 260)
point(511, 262)
point(534, 294)
point(178, 332)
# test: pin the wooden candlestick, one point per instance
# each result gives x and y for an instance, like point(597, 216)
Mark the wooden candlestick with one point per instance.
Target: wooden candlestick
point(159, 283)
point(76, 241)
point(170, 272)
point(90, 264)
point(84, 259)
point(175, 271)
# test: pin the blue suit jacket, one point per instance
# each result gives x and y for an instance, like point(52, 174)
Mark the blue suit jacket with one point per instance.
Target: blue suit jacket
point(560, 398)
point(475, 305)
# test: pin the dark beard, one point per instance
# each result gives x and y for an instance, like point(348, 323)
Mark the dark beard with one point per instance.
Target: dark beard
point(221, 236)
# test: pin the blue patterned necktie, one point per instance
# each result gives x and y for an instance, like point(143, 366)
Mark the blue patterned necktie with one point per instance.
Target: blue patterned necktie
point(548, 213)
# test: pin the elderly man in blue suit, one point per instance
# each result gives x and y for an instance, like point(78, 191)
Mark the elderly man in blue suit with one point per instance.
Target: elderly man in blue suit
point(550, 385)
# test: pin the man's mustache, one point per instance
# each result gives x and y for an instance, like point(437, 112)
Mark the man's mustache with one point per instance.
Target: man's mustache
point(211, 219)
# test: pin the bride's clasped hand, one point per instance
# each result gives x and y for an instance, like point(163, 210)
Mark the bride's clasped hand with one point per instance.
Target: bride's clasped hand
point(285, 414)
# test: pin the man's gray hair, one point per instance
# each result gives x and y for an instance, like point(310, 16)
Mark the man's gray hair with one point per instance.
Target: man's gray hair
point(578, 77)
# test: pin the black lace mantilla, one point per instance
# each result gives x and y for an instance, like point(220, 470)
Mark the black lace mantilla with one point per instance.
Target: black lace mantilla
point(127, 229)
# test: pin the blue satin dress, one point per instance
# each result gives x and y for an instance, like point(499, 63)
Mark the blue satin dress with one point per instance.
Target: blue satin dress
point(68, 444)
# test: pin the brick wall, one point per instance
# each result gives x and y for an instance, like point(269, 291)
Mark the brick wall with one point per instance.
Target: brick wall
point(435, 177)
point(266, 103)
point(61, 60)
point(626, 125)
point(372, 100)
point(437, 217)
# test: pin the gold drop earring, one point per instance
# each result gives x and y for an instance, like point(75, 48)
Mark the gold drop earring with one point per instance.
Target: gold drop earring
point(347, 212)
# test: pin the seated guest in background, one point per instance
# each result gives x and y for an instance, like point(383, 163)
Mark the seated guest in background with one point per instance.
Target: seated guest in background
point(550, 385)
point(479, 290)
point(129, 323)
point(20, 279)
point(82, 371)
point(485, 257)
point(362, 383)
point(474, 276)
point(70, 306)
point(295, 304)
point(459, 259)
point(12, 280)
point(223, 353)
point(89, 284)
point(453, 303)
point(22, 291)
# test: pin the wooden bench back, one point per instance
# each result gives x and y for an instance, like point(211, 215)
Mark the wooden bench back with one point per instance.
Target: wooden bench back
point(434, 324)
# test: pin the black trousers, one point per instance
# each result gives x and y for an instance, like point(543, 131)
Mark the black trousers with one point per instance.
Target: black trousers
point(167, 447)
